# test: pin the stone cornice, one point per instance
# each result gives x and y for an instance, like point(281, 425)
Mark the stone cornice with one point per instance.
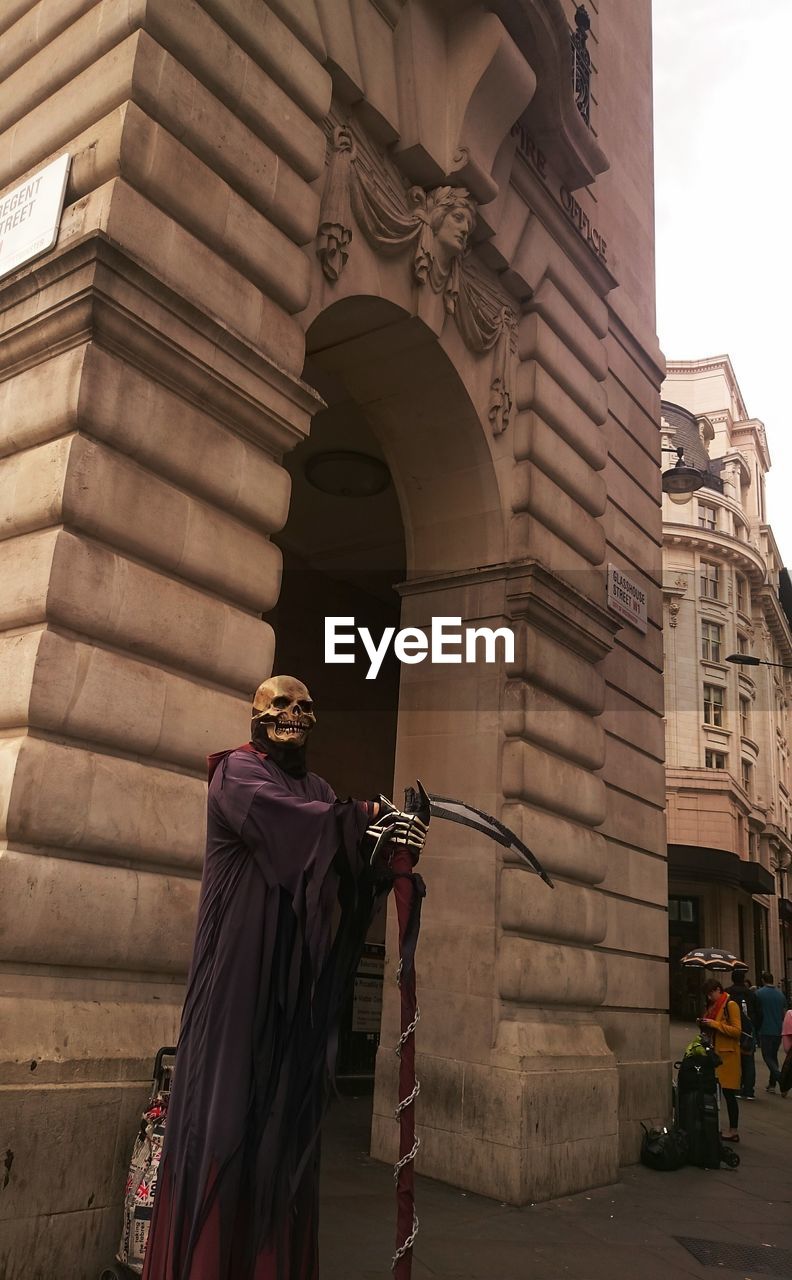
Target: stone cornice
point(775, 619)
point(708, 365)
point(553, 606)
point(536, 594)
point(695, 780)
point(93, 291)
point(710, 542)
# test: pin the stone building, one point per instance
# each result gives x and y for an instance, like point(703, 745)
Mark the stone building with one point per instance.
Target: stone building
point(351, 312)
point(727, 726)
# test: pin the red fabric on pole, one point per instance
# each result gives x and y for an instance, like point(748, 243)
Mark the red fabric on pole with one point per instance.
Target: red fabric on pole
point(404, 892)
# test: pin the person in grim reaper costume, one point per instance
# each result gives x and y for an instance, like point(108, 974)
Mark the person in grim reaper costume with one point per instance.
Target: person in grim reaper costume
point(287, 894)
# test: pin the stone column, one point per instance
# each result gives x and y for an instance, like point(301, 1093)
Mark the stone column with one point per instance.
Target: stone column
point(150, 370)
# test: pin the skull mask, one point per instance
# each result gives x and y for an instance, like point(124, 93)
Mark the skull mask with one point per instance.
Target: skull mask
point(283, 713)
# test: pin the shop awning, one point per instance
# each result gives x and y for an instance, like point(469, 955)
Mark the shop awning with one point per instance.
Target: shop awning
point(696, 862)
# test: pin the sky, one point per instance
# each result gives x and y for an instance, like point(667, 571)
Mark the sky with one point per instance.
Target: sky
point(723, 170)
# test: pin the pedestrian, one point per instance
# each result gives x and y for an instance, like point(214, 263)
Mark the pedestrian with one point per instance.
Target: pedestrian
point(745, 998)
point(773, 1004)
point(723, 1022)
point(287, 894)
point(786, 1045)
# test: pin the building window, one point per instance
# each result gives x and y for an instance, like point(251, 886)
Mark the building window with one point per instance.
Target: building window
point(747, 776)
point(707, 516)
point(742, 644)
point(745, 716)
point(711, 640)
point(742, 593)
point(710, 580)
point(713, 705)
point(753, 846)
point(714, 759)
point(682, 910)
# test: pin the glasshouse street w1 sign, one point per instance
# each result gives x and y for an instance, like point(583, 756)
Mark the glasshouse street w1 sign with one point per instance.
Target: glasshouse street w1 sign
point(626, 598)
point(30, 215)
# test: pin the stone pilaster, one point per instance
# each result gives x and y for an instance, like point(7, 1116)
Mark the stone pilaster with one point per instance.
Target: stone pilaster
point(150, 384)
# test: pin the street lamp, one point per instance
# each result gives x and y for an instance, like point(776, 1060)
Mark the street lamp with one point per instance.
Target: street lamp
point(748, 660)
point(680, 482)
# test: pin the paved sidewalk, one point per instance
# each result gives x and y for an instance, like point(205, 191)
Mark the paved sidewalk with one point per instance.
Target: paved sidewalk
point(623, 1232)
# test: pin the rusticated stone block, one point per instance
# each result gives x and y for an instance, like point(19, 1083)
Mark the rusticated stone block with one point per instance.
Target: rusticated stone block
point(550, 722)
point(64, 686)
point(97, 491)
point(57, 577)
point(90, 802)
point(545, 973)
point(570, 913)
point(58, 912)
point(533, 774)
point(567, 848)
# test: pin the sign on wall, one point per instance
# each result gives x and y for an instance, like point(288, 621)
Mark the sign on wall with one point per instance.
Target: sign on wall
point(30, 215)
point(626, 598)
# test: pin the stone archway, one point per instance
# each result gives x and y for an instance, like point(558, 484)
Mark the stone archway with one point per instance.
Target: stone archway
point(376, 363)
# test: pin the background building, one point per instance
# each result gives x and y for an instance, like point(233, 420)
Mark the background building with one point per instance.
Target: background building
point(263, 263)
point(727, 727)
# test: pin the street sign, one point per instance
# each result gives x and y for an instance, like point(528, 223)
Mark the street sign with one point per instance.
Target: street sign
point(30, 215)
point(626, 598)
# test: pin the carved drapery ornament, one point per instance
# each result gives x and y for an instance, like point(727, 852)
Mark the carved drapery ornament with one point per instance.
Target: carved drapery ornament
point(436, 226)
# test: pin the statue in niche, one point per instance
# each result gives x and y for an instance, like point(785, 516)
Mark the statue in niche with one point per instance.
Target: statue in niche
point(437, 225)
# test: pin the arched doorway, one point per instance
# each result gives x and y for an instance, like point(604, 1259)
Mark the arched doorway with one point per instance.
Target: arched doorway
point(388, 558)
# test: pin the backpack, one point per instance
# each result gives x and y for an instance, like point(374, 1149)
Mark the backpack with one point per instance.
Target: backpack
point(664, 1149)
point(747, 1036)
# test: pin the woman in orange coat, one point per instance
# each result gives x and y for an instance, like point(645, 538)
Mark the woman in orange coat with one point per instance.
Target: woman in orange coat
point(723, 1022)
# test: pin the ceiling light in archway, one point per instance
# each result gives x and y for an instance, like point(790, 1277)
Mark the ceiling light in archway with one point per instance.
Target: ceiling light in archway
point(347, 474)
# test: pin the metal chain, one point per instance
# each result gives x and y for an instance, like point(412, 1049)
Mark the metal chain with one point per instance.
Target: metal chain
point(409, 1100)
point(409, 1242)
point(411, 1154)
point(408, 1031)
point(403, 1104)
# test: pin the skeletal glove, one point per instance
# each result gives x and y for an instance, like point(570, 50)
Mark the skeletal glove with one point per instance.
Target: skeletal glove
point(394, 826)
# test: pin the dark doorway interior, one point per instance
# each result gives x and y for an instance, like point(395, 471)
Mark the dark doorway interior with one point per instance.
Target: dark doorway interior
point(684, 934)
point(343, 553)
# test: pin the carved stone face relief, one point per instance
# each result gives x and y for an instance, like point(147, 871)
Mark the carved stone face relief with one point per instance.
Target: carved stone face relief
point(434, 228)
point(283, 712)
point(452, 222)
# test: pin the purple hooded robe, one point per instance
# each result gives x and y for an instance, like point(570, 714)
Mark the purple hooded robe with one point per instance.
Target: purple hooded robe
point(285, 904)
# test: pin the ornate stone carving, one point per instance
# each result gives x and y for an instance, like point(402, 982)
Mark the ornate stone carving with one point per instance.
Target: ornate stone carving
point(435, 226)
point(673, 612)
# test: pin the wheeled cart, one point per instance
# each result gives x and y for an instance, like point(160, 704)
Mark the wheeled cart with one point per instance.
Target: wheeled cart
point(143, 1169)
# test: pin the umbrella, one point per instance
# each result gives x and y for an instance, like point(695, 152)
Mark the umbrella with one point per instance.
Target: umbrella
point(712, 958)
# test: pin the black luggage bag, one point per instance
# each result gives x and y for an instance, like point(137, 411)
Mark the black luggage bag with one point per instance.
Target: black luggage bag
point(697, 1113)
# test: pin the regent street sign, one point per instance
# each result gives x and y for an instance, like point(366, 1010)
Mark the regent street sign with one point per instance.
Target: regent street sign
point(30, 215)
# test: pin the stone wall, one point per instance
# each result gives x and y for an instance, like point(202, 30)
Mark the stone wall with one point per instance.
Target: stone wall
point(151, 382)
point(150, 372)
